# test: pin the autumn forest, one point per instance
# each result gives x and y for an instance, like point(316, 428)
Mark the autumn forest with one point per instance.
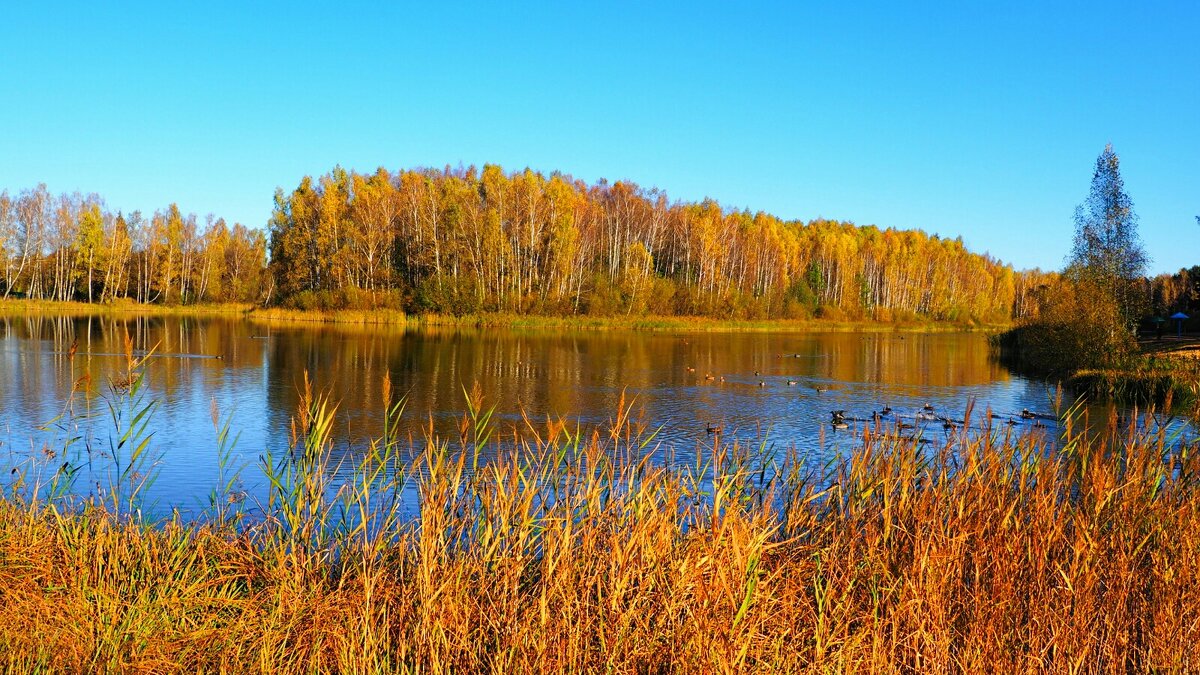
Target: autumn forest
point(461, 241)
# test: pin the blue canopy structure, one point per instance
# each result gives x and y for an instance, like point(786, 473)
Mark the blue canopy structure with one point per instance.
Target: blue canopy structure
point(1179, 318)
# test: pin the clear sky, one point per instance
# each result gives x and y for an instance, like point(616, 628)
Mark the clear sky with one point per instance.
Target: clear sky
point(976, 119)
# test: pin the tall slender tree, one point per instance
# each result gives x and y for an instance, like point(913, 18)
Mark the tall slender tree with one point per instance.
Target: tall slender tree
point(89, 241)
point(1108, 252)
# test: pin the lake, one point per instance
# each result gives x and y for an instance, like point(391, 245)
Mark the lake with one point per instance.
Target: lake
point(777, 389)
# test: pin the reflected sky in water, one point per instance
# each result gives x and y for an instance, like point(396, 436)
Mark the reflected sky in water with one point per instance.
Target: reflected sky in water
point(773, 388)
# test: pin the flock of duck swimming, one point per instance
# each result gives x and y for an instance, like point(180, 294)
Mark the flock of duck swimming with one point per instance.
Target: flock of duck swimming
point(839, 419)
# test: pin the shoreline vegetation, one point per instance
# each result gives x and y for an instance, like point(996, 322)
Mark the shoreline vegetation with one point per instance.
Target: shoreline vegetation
point(1075, 341)
point(1158, 372)
point(393, 317)
point(557, 548)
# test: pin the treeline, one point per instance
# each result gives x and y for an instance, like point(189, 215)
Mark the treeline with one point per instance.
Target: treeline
point(463, 241)
point(468, 240)
point(71, 247)
point(1159, 296)
point(1178, 292)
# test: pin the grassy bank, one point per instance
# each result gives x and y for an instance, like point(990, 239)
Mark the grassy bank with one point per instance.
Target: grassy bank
point(576, 550)
point(1100, 363)
point(1143, 379)
point(15, 307)
point(1158, 372)
point(392, 317)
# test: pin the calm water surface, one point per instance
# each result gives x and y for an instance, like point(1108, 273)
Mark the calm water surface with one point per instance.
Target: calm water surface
point(801, 378)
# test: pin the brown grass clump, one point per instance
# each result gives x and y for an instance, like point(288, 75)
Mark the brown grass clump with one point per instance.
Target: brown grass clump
point(571, 550)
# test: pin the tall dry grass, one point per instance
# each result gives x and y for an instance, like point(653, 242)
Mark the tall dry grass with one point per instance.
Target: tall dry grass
point(562, 549)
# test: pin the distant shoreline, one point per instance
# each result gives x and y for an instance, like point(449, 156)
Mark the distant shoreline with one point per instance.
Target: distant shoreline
point(392, 317)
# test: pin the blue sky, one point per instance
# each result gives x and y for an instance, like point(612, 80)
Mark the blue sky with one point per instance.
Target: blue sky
point(976, 119)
